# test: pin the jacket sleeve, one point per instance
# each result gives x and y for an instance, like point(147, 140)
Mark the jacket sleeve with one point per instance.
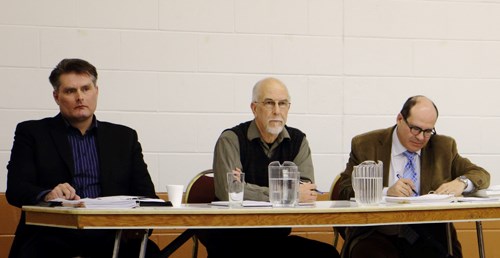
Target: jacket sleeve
point(345, 182)
point(463, 166)
point(26, 180)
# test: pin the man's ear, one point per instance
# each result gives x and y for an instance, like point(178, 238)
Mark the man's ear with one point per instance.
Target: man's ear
point(253, 106)
point(55, 95)
point(399, 118)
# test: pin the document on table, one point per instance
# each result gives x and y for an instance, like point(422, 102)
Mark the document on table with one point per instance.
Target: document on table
point(426, 198)
point(249, 203)
point(482, 195)
point(478, 199)
point(246, 203)
point(493, 190)
point(108, 202)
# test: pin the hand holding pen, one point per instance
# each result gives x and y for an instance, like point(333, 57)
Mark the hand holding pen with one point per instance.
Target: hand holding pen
point(308, 192)
point(313, 189)
point(404, 191)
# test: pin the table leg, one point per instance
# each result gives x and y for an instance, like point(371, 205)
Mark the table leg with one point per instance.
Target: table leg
point(480, 242)
point(116, 248)
point(144, 243)
point(448, 236)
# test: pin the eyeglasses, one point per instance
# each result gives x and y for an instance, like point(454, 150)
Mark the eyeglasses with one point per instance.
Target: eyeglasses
point(415, 130)
point(270, 104)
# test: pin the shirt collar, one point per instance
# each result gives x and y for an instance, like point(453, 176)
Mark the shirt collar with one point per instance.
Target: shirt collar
point(253, 133)
point(397, 147)
point(93, 125)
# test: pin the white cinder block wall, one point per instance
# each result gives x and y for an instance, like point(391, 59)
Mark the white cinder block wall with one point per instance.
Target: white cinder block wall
point(181, 71)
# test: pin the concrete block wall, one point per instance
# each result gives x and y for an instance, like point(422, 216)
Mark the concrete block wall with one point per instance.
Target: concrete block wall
point(181, 71)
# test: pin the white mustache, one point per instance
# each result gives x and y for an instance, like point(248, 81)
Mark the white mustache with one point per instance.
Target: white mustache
point(275, 120)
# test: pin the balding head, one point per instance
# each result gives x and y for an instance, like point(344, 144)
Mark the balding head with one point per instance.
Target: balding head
point(269, 82)
point(414, 100)
point(416, 122)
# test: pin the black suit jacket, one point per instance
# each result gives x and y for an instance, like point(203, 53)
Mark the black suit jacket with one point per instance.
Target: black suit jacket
point(439, 163)
point(41, 158)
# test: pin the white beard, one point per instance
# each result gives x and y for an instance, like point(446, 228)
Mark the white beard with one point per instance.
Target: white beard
point(274, 130)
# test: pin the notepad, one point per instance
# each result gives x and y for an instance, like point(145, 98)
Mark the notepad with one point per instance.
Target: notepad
point(426, 198)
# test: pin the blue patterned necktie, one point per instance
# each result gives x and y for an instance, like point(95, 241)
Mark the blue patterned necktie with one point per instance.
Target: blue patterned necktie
point(410, 168)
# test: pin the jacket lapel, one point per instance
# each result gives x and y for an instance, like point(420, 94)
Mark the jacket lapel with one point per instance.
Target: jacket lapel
point(60, 138)
point(385, 145)
point(105, 148)
point(426, 176)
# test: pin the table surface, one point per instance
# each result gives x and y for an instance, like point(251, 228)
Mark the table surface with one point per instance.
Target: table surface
point(323, 213)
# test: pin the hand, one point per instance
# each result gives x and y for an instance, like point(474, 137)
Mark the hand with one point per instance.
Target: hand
point(65, 191)
point(402, 187)
point(236, 174)
point(453, 187)
point(237, 171)
point(307, 193)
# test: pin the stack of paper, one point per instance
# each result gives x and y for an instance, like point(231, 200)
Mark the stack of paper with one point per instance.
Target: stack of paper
point(250, 203)
point(246, 203)
point(493, 190)
point(426, 198)
point(478, 199)
point(108, 202)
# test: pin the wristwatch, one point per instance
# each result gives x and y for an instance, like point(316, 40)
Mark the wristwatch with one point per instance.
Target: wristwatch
point(464, 180)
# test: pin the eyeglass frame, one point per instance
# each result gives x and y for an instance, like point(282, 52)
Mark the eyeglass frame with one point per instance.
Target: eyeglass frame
point(267, 102)
point(427, 133)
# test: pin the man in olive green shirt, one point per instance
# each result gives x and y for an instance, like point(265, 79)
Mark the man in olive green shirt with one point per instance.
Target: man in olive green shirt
point(249, 147)
point(227, 158)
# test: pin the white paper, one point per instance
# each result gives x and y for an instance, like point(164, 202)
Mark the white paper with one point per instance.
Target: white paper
point(249, 203)
point(108, 202)
point(246, 203)
point(493, 190)
point(426, 198)
point(478, 199)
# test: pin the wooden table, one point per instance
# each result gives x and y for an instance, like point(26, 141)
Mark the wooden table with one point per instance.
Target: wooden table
point(323, 214)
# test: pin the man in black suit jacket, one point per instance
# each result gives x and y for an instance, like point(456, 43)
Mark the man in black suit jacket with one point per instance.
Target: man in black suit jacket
point(439, 168)
point(73, 156)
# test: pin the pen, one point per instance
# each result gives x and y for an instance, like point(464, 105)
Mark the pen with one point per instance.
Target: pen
point(316, 190)
point(415, 192)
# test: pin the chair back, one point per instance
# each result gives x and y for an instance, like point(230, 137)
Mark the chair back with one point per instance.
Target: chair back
point(335, 189)
point(201, 188)
point(335, 196)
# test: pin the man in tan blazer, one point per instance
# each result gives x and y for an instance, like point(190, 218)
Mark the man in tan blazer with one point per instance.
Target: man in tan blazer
point(437, 166)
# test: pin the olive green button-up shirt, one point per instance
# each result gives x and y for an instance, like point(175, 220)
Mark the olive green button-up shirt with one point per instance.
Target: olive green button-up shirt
point(227, 158)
